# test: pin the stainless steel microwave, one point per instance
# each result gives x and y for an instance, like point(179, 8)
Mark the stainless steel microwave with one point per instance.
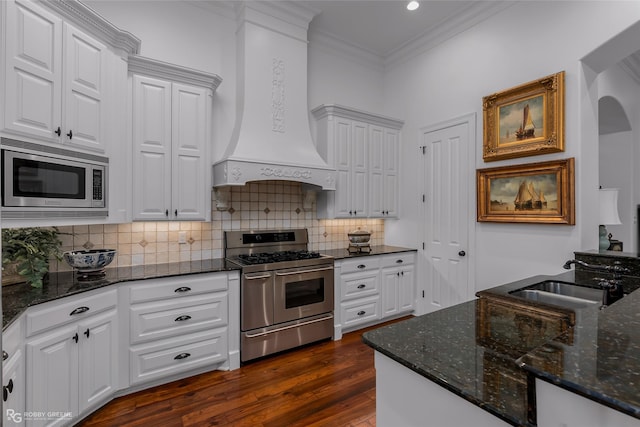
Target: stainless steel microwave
point(41, 181)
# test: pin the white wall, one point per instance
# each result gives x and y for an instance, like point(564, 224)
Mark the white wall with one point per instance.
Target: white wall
point(524, 42)
point(618, 154)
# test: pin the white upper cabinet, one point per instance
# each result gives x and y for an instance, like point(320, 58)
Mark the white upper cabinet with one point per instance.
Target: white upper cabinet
point(58, 77)
point(364, 149)
point(171, 141)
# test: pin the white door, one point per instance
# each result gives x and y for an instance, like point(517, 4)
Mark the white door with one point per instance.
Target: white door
point(189, 139)
point(98, 358)
point(33, 70)
point(84, 90)
point(448, 210)
point(151, 148)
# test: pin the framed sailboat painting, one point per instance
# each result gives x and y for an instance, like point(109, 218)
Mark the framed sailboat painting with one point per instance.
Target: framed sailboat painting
point(525, 120)
point(541, 193)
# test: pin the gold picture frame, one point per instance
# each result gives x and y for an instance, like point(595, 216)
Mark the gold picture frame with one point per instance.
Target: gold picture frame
point(525, 120)
point(540, 193)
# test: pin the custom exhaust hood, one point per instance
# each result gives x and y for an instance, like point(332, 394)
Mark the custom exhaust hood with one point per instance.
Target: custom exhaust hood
point(271, 138)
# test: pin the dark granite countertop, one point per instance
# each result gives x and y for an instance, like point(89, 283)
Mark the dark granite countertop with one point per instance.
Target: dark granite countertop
point(339, 254)
point(469, 352)
point(17, 298)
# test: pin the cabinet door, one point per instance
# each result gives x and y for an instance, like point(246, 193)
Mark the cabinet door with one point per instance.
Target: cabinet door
point(406, 288)
point(359, 170)
point(342, 144)
point(376, 171)
point(390, 285)
point(33, 70)
point(390, 185)
point(190, 200)
point(13, 389)
point(52, 375)
point(151, 148)
point(83, 90)
point(98, 370)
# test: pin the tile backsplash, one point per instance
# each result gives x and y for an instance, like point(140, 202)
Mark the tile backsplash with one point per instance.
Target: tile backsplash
point(259, 205)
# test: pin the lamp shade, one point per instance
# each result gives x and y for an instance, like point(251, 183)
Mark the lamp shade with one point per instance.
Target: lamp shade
point(609, 206)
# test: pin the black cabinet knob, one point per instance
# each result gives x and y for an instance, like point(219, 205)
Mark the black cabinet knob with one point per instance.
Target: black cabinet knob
point(58, 131)
point(75, 337)
point(462, 253)
point(362, 286)
point(87, 332)
point(70, 135)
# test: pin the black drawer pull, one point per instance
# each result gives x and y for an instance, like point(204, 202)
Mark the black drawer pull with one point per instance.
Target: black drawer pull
point(361, 266)
point(183, 289)
point(5, 355)
point(182, 356)
point(10, 386)
point(362, 313)
point(5, 394)
point(183, 318)
point(87, 332)
point(362, 286)
point(79, 310)
point(75, 337)
point(399, 261)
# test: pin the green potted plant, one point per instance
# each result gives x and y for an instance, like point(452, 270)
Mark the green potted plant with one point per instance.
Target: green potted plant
point(30, 250)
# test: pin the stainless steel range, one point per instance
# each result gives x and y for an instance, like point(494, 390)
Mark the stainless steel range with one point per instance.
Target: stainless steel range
point(286, 291)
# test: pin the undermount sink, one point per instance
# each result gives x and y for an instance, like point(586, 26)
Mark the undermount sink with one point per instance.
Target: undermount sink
point(562, 294)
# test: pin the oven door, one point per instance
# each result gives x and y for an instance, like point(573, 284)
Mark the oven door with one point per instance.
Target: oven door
point(302, 292)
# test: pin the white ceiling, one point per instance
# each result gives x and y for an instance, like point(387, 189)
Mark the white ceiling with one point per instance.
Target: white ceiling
point(381, 27)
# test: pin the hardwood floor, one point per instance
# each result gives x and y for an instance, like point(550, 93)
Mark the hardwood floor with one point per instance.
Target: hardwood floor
point(331, 383)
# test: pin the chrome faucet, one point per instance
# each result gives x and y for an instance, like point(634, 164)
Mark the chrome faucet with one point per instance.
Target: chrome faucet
point(612, 288)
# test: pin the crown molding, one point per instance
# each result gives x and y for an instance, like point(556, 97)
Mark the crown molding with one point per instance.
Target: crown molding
point(329, 43)
point(91, 21)
point(326, 110)
point(164, 70)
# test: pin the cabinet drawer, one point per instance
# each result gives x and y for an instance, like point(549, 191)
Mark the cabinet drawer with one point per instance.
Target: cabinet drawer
point(361, 311)
point(169, 357)
point(173, 287)
point(357, 287)
point(398, 260)
point(70, 309)
point(163, 319)
point(363, 263)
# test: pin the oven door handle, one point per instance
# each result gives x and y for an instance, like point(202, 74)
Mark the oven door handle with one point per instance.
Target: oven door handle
point(289, 273)
point(258, 276)
point(284, 328)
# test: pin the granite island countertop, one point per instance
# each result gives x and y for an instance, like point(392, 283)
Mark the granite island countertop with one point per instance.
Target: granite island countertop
point(596, 357)
point(17, 298)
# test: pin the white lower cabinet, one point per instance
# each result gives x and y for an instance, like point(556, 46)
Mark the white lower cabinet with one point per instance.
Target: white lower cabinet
point(176, 325)
point(373, 288)
point(67, 357)
point(72, 366)
point(398, 284)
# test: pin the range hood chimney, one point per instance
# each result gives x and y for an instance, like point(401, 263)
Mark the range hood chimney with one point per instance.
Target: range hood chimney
point(271, 138)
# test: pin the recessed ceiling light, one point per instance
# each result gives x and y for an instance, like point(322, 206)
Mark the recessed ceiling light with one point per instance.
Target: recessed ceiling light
point(413, 5)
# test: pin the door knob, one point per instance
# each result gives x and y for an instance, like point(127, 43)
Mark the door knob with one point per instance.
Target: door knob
point(462, 253)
